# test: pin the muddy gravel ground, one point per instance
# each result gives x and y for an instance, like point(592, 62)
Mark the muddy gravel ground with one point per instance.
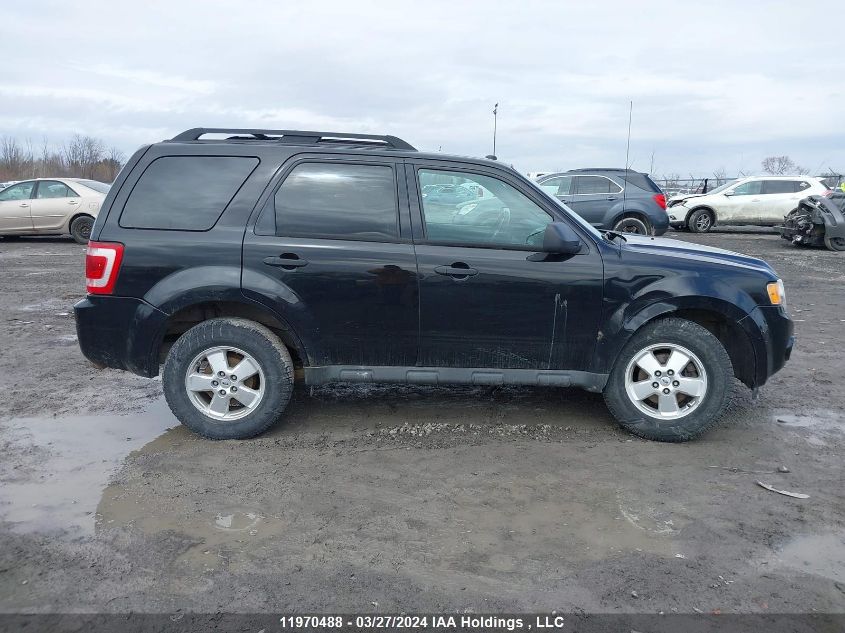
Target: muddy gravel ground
point(381, 499)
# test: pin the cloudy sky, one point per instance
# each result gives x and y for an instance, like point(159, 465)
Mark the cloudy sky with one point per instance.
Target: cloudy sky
point(715, 86)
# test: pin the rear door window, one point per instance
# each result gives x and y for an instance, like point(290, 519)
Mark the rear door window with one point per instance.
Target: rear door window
point(185, 193)
point(587, 185)
point(342, 201)
point(780, 186)
point(54, 189)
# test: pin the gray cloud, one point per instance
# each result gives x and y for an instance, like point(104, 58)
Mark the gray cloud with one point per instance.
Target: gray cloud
point(719, 86)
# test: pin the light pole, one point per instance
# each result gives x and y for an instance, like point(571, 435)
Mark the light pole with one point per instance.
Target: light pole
point(495, 112)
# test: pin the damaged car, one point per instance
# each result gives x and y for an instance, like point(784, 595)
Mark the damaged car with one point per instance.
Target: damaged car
point(817, 221)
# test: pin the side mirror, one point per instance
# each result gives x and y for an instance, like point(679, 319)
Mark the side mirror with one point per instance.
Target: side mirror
point(560, 239)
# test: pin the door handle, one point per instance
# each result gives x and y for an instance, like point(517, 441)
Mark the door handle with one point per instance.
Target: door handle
point(24, 204)
point(73, 202)
point(611, 198)
point(458, 270)
point(286, 260)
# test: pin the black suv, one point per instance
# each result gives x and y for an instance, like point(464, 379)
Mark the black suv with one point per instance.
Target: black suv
point(623, 200)
point(239, 261)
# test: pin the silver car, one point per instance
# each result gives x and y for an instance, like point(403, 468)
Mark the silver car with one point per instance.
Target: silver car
point(51, 206)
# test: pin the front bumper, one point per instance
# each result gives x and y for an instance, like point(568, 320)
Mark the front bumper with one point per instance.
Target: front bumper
point(119, 332)
point(775, 340)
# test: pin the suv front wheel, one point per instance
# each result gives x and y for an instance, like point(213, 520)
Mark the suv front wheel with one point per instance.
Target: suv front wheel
point(671, 382)
point(228, 378)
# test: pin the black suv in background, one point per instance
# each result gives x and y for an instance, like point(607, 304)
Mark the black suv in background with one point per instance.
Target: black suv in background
point(235, 261)
point(623, 200)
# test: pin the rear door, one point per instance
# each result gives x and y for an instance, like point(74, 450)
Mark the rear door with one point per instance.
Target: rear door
point(779, 198)
point(331, 252)
point(593, 196)
point(15, 206)
point(483, 302)
point(53, 204)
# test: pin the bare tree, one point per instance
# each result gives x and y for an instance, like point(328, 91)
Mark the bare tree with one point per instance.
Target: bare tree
point(781, 166)
point(14, 160)
point(81, 157)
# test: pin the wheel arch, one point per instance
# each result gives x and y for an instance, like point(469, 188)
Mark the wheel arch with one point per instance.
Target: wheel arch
point(706, 207)
point(187, 316)
point(725, 321)
point(74, 217)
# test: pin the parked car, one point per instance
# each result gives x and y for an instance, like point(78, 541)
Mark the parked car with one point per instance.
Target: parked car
point(242, 263)
point(51, 206)
point(624, 200)
point(755, 200)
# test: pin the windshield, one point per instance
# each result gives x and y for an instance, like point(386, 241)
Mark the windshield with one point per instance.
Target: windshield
point(96, 185)
point(569, 212)
point(720, 189)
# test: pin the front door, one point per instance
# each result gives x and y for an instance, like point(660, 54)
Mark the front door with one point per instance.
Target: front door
point(483, 301)
point(331, 254)
point(742, 204)
point(15, 206)
point(53, 204)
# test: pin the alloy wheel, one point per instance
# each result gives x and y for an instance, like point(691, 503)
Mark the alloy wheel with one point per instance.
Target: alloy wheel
point(666, 381)
point(225, 383)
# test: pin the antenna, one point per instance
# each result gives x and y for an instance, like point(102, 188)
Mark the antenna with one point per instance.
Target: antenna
point(627, 153)
point(495, 112)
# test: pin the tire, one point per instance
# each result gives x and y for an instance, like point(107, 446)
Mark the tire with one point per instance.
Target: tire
point(701, 221)
point(220, 343)
point(695, 414)
point(633, 224)
point(80, 229)
point(835, 243)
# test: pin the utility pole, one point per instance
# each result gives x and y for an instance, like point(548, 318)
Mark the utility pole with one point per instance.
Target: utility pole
point(495, 112)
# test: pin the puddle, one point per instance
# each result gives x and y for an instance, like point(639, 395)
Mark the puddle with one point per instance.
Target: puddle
point(822, 555)
point(815, 427)
point(62, 465)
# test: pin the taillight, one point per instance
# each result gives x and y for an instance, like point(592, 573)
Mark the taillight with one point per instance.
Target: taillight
point(102, 264)
point(660, 199)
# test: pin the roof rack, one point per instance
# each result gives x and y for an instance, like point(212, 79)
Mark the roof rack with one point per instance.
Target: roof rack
point(298, 136)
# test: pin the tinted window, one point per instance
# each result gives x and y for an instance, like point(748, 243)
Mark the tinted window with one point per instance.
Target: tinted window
point(780, 186)
point(54, 189)
point(503, 217)
point(21, 191)
point(750, 188)
point(186, 193)
point(596, 184)
point(338, 201)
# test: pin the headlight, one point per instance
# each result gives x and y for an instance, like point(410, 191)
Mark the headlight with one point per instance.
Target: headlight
point(777, 293)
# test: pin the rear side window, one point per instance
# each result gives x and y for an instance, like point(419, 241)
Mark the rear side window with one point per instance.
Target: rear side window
point(595, 184)
point(185, 193)
point(338, 201)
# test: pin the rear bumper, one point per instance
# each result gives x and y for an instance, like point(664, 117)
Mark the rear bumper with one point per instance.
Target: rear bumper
point(774, 342)
point(119, 332)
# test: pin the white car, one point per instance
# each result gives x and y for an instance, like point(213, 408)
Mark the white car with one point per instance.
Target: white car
point(51, 206)
point(758, 200)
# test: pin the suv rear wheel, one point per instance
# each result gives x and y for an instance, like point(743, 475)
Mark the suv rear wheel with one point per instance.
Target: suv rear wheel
point(633, 224)
point(671, 382)
point(228, 378)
